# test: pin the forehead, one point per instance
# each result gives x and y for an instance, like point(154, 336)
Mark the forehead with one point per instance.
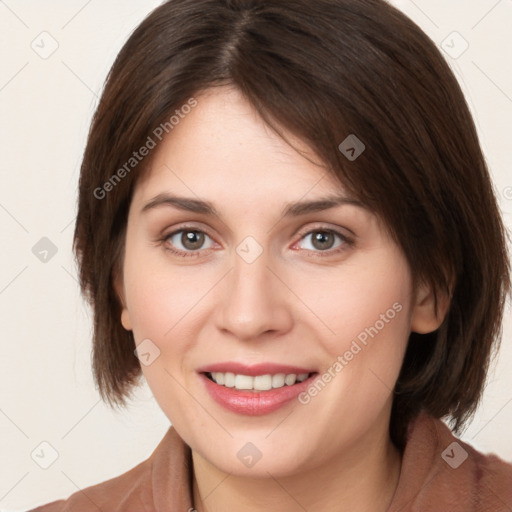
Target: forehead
point(222, 148)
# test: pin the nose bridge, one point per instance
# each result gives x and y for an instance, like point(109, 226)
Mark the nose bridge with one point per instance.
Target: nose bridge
point(253, 300)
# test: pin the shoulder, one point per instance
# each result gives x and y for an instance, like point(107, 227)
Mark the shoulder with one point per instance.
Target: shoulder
point(159, 482)
point(128, 492)
point(446, 473)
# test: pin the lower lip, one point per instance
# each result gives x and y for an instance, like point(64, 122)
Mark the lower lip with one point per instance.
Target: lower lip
point(254, 403)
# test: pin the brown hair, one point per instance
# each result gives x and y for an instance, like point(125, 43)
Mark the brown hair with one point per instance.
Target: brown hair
point(322, 70)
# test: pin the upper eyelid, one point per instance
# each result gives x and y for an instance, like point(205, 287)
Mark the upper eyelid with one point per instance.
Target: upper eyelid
point(187, 228)
point(321, 226)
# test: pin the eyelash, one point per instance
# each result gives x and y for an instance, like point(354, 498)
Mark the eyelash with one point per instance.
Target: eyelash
point(346, 241)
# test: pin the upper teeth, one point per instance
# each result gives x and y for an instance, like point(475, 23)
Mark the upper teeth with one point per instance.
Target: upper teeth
point(258, 383)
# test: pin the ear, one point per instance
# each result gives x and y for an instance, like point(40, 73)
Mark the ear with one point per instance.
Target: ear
point(120, 292)
point(424, 318)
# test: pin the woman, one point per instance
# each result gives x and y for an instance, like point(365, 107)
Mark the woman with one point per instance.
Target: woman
point(280, 229)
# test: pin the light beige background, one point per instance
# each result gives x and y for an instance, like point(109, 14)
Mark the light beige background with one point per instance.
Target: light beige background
point(47, 393)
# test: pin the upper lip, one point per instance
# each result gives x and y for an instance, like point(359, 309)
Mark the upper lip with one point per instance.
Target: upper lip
point(253, 370)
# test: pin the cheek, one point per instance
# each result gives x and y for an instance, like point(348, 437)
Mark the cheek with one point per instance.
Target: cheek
point(160, 302)
point(149, 307)
point(369, 314)
point(158, 295)
point(166, 305)
point(361, 302)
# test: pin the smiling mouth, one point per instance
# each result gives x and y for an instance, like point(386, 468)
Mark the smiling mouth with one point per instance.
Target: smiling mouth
point(256, 383)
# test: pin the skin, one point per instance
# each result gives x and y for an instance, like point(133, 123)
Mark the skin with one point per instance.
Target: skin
point(298, 303)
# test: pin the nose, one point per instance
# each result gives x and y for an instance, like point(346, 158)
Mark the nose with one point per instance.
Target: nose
point(254, 300)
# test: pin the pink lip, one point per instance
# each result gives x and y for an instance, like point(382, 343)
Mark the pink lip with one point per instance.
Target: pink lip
point(253, 370)
point(254, 403)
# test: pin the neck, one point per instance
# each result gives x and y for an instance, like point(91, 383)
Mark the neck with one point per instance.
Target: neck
point(362, 479)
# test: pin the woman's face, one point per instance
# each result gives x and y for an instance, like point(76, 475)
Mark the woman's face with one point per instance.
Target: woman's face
point(268, 283)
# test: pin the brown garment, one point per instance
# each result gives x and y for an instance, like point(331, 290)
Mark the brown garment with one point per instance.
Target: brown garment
point(428, 482)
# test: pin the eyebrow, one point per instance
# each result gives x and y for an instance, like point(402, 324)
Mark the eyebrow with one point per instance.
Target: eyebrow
point(290, 210)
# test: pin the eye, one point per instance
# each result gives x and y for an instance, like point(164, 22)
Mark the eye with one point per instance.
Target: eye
point(325, 240)
point(187, 241)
